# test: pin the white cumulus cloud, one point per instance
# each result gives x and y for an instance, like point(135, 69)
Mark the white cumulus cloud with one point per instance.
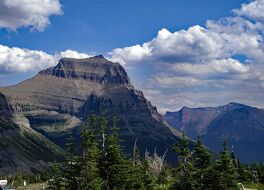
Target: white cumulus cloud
point(21, 60)
point(73, 54)
point(223, 57)
point(14, 59)
point(15, 14)
point(134, 53)
point(175, 81)
point(253, 10)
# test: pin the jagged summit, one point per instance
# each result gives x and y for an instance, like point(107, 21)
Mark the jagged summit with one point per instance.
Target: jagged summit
point(95, 59)
point(96, 69)
point(99, 56)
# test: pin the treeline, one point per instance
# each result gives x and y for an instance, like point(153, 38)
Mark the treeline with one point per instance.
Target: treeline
point(103, 166)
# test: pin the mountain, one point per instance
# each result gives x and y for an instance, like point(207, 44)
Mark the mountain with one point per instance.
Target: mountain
point(57, 100)
point(21, 147)
point(242, 125)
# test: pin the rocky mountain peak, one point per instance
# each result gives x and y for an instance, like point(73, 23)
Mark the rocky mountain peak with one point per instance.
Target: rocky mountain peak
point(185, 108)
point(231, 106)
point(99, 56)
point(95, 69)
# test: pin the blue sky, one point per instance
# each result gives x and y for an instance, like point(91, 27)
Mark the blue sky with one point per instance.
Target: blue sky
point(102, 25)
point(192, 53)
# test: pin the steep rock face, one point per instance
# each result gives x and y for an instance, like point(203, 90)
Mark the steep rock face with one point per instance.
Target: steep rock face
point(76, 87)
point(242, 125)
point(5, 108)
point(98, 70)
point(136, 119)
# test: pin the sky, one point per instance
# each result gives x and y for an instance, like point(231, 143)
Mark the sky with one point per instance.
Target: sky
point(178, 52)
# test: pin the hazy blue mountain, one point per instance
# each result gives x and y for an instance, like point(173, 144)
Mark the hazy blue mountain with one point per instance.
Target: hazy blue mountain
point(241, 124)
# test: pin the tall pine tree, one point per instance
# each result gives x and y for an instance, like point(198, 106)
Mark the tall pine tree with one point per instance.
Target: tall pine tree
point(203, 166)
point(102, 146)
point(71, 165)
point(90, 174)
point(56, 182)
point(225, 171)
point(140, 176)
point(185, 180)
point(116, 167)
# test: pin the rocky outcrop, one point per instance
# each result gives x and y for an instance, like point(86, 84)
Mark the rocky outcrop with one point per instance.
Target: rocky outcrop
point(5, 108)
point(95, 69)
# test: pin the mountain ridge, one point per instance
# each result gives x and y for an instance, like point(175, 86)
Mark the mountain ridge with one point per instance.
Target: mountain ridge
point(242, 125)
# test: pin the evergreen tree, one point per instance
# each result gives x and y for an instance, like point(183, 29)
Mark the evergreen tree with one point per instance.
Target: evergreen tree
point(225, 171)
point(243, 172)
point(254, 172)
point(163, 178)
point(90, 174)
point(140, 176)
point(203, 166)
point(116, 167)
point(56, 183)
point(185, 169)
point(234, 159)
point(147, 178)
point(71, 165)
point(257, 172)
point(102, 146)
point(261, 172)
point(136, 173)
point(116, 170)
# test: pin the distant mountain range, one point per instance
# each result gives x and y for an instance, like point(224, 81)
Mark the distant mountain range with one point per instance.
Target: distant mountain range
point(58, 99)
point(242, 125)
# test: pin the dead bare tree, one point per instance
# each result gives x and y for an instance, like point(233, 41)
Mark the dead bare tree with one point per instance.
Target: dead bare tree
point(156, 163)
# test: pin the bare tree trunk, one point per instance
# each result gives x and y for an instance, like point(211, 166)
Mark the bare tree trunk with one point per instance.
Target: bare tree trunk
point(134, 153)
point(163, 159)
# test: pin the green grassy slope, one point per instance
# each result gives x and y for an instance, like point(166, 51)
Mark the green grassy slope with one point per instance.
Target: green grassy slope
point(22, 147)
